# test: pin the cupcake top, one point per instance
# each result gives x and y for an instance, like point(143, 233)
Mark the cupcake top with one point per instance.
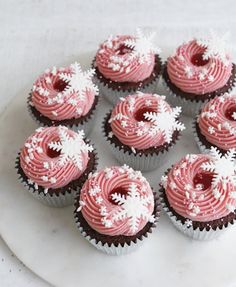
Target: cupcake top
point(203, 187)
point(54, 156)
point(142, 121)
point(117, 201)
point(127, 58)
point(200, 66)
point(64, 93)
point(217, 121)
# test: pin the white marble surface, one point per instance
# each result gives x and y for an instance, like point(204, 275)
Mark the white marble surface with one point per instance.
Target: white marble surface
point(38, 34)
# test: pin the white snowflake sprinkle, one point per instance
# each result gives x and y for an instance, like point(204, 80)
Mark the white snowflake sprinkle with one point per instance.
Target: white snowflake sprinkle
point(134, 207)
point(142, 47)
point(164, 121)
point(79, 81)
point(70, 147)
point(215, 47)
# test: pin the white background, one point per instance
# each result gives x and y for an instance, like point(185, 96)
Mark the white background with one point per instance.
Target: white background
point(38, 34)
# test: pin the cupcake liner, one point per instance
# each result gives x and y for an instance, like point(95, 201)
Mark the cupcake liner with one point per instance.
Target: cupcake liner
point(62, 199)
point(189, 107)
point(203, 149)
point(201, 235)
point(143, 162)
point(87, 125)
point(121, 249)
point(113, 96)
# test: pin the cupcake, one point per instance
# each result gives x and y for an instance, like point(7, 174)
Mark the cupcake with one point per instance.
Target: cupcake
point(141, 129)
point(116, 209)
point(216, 124)
point(64, 96)
point(198, 71)
point(54, 163)
point(199, 194)
point(126, 64)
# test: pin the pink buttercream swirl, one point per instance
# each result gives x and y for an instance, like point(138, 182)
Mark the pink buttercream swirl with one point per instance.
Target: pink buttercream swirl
point(199, 200)
point(217, 121)
point(114, 60)
point(130, 123)
point(189, 72)
point(54, 156)
point(58, 99)
point(128, 212)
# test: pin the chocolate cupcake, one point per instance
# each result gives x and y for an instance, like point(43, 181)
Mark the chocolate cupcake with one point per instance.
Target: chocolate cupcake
point(64, 96)
point(116, 210)
point(216, 124)
point(141, 129)
point(198, 71)
point(127, 64)
point(54, 164)
point(198, 194)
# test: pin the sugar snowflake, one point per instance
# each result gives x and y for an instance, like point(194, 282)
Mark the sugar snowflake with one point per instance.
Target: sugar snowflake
point(215, 47)
point(164, 121)
point(134, 207)
point(222, 166)
point(70, 147)
point(79, 81)
point(142, 46)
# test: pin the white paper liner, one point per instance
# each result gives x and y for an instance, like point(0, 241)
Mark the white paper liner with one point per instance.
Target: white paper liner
point(113, 96)
point(202, 235)
point(86, 126)
point(189, 108)
point(126, 248)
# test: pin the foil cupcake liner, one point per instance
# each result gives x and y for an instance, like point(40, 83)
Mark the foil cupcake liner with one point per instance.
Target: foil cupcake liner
point(112, 249)
point(113, 96)
point(189, 107)
point(54, 200)
point(197, 234)
point(86, 126)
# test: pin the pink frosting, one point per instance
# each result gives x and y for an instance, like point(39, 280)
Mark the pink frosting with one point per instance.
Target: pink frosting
point(60, 105)
point(214, 123)
point(53, 172)
point(193, 202)
point(137, 133)
point(121, 67)
point(102, 215)
point(195, 79)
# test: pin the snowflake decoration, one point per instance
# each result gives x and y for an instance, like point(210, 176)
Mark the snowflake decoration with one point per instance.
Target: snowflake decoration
point(134, 207)
point(223, 167)
point(79, 81)
point(164, 121)
point(70, 147)
point(215, 47)
point(142, 46)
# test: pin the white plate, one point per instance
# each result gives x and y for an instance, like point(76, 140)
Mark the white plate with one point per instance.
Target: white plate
point(47, 241)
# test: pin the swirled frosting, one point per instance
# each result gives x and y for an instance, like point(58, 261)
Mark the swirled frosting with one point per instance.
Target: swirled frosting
point(142, 121)
point(217, 121)
point(190, 72)
point(54, 156)
point(117, 201)
point(64, 93)
point(123, 59)
point(202, 187)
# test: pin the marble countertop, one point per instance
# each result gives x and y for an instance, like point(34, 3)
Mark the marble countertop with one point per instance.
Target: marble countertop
point(40, 33)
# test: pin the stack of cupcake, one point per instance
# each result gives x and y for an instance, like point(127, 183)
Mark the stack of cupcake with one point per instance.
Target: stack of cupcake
point(116, 208)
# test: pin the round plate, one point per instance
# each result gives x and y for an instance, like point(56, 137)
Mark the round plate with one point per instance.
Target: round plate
point(47, 241)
